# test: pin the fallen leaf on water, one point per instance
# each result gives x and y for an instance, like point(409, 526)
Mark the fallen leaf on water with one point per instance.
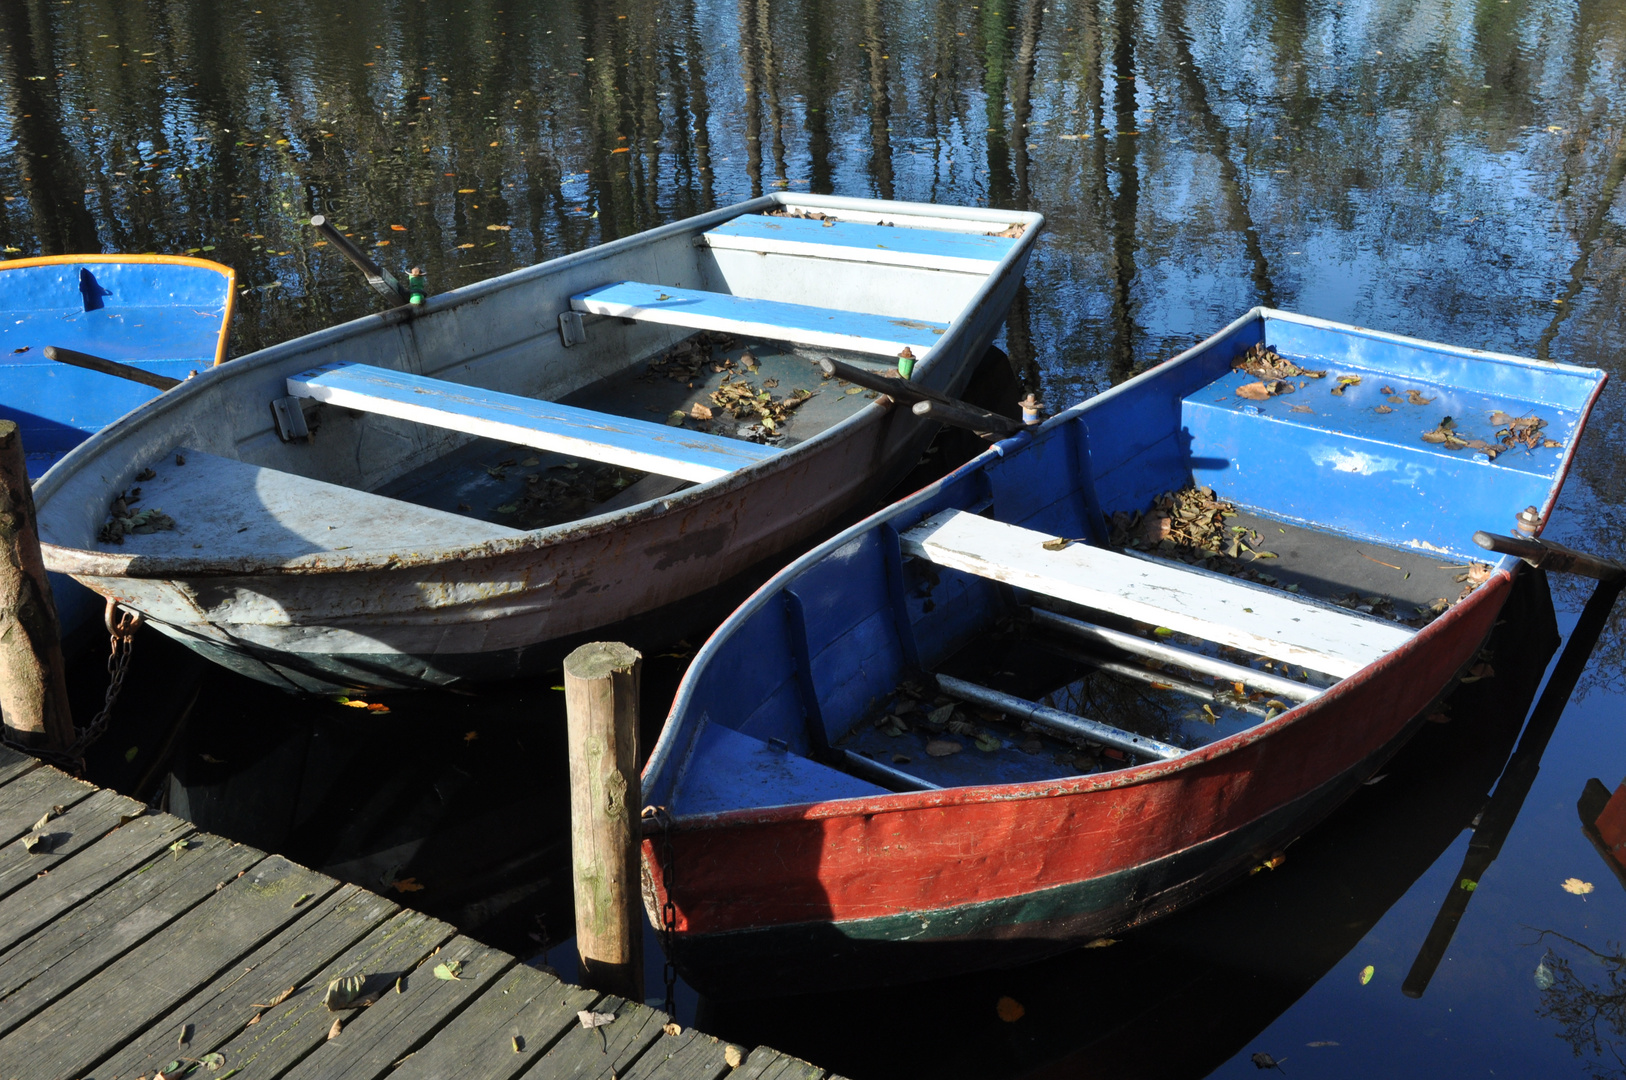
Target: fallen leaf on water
point(1467, 884)
point(1322, 1042)
point(733, 1056)
point(943, 747)
point(406, 885)
point(130, 754)
point(672, 1029)
point(464, 247)
point(333, 1032)
point(381, 243)
point(1576, 886)
point(1209, 716)
point(1263, 1060)
point(498, 228)
point(398, 228)
point(1366, 974)
point(451, 971)
point(1544, 976)
point(470, 736)
point(1101, 943)
point(1010, 1010)
point(594, 1019)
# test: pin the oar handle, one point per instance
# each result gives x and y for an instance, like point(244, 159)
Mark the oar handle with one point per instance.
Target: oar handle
point(1546, 555)
point(109, 367)
point(944, 408)
point(382, 281)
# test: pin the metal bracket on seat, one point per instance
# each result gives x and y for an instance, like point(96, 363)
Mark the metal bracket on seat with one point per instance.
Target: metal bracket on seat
point(571, 330)
point(290, 419)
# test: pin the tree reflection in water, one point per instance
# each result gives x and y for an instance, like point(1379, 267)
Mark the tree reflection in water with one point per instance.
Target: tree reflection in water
point(1587, 997)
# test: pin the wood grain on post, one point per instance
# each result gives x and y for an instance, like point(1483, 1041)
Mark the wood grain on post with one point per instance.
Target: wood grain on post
point(33, 688)
point(601, 703)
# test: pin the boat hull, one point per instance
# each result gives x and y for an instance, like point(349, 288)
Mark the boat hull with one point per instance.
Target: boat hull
point(905, 887)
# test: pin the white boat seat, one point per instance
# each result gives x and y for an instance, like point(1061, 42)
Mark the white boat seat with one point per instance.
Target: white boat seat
point(932, 249)
point(771, 320)
point(523, 421)
point(1209, 606)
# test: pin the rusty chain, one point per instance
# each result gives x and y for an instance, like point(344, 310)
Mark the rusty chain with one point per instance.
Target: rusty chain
point(667, 931)
point(121, 629)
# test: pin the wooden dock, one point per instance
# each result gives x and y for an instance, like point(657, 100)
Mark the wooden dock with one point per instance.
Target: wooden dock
point(131, 940)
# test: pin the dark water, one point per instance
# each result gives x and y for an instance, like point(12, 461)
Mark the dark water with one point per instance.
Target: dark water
point(1450, 170)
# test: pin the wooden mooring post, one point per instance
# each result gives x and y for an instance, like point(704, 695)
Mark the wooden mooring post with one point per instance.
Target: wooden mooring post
point(33, 686)
point(601, 705)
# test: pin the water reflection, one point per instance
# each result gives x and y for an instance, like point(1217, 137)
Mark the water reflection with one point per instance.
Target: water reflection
point(1583, 991)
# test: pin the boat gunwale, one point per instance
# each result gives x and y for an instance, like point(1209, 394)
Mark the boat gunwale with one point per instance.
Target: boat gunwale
point(898, 802)
point(89, 563)
point(222, 336)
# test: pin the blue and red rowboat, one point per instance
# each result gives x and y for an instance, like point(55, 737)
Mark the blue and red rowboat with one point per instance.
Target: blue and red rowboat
point(166, 314)
point(1023, 708)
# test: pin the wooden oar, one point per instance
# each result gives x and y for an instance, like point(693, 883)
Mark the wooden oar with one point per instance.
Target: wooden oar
point(1496, 820)
point(940, 407)
point(382, 281)
point(109, 367)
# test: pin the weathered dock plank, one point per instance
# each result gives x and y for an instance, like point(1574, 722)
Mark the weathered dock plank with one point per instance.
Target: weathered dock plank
point(133, 941)
point(521, 1017)
point(373, 1040)
point(766, 1063)
point(286, 1034)
point(72, 949)
point(86, 874)
point(128, 995)
point(601, 1053)
point(79, 826)
point(229, 1004)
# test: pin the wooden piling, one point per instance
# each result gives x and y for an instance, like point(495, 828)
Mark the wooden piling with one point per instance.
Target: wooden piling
point(33, 689)
point(601, 703)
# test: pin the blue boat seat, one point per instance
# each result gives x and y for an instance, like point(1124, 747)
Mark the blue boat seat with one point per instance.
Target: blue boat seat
point(1206, 605)
point(934, 249)
point(772, 320)
point(743, 772)
point(545, 425)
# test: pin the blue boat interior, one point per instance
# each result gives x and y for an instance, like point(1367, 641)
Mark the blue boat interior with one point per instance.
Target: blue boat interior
point(873, 665)
point(167, 318)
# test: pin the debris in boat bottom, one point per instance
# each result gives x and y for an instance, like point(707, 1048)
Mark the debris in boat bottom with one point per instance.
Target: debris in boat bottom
point(1263, 361)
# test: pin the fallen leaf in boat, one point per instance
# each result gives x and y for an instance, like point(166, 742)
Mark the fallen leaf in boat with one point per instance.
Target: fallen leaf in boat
point(962, 727)
point(1259, 391)
point(1032, 746)
point(1209, 716)
point(451, 971)
point(943, 747)
point(941, 715)
point(733, 1056)
point(1576, 886)
point(699, 411)
point(1265, 362)
point(673, 1028)
point(1344, 383)
point(594, 1019)
point(1300, 408)
point(1101, 943)
point(1386, 391)
point(1396, 399)
point(1415, 397)
point(1383, 409)
point(1162, 631)
point(901, 759)
point(1010, 1010)
point(989, 743)
point(1366, 974)
point(1057, 544)
point(338, 1024)
point(146, 474)
point(676, 418)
